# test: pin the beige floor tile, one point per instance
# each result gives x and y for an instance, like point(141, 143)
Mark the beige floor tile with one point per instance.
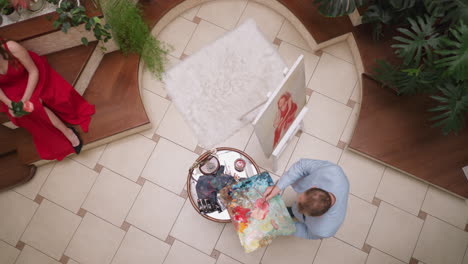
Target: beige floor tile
point(334, 78)
point(17, 211)
point(340, 50)
point(446, 207)
point(310, 147)
point(240, 139)
point(268, 21)
point(378, 257)
point(335, 251)
point(174, 128)
point(168, 165)
point(32, 187)
point(440, 242)
point(350, 125)
point(195, 230)
point(151, 205)
point(155, 107)
point(181, 253)
point(51, 228)
point(177, 34)
point(229, 244)
point(141, 248)
point(8, 254)
point(290, 249)
point(223, 259)
point(151, 83)
point(111, 197)
point(68, 184)
point(204, 34)
point(71, 261)
point(289, 34)
point(465, 259)
point(95, 241)
point(364, 175)
point(359, 217)
point(223, 13)
point(255, 151)
point(401, 190)
point(326, 118)
point(290, 53)
point(89, 158)
point(356, 95)
point(395, 232)
point(191, 13)
point(289, 196)
point(31, 256)
point(128, 156)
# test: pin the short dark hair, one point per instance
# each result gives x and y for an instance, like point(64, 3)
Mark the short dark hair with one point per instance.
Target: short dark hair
point(317, 202)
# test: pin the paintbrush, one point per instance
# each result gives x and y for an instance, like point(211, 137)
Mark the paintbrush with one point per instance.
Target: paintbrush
point(264, 199)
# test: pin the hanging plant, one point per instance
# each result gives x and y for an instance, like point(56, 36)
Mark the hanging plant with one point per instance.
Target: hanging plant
point(132, 34)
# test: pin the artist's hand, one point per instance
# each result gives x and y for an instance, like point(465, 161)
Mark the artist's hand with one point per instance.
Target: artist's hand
point(271, 192)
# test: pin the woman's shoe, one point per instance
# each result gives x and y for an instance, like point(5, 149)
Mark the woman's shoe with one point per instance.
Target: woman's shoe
point(77, 148)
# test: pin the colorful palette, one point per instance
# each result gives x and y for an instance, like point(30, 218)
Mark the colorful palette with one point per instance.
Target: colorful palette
point(256, 221)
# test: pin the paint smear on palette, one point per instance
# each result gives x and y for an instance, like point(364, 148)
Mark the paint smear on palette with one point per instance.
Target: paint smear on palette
point(257, 222)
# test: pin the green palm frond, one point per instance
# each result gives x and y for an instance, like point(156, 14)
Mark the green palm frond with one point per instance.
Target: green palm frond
point(455, 59)
point(335, 8)
point(419, 42)
point(452, 11)
point(453, 103)
point(408, 80)
point(402, 4)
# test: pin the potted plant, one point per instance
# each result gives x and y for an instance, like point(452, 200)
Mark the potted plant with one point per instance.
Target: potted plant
point(433, 46)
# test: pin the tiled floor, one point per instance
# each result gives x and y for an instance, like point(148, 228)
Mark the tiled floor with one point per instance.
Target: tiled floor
point(126, 202)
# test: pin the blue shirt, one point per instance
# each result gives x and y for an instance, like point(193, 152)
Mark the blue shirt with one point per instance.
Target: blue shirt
point(325, 175)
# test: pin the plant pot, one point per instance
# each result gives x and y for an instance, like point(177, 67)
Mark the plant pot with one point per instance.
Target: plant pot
point(11, 14)
point(36, 5)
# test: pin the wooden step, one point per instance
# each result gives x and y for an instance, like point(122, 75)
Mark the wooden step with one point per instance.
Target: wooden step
point(395, 130)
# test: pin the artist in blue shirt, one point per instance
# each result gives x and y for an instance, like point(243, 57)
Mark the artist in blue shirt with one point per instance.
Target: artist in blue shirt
point(323, 197)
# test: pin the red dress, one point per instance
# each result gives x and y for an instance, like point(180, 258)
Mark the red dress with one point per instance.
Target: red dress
point(57, 95)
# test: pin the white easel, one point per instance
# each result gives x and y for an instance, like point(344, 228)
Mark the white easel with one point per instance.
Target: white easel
point(297, 71)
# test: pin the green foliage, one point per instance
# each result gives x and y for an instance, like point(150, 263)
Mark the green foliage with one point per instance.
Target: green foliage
point(132, 34)
point(451, 11)
point(338, 7)
point(391, 12)
point(455, 54)
point(453, 103)
point(71, 15)
point(419, 42)
point(17, 108)
point(407, 80)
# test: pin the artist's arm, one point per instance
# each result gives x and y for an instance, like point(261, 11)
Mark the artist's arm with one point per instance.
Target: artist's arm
point(22, 55)
point(299, 170)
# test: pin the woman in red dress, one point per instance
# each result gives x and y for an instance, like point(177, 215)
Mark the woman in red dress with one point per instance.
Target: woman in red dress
point(26, 76)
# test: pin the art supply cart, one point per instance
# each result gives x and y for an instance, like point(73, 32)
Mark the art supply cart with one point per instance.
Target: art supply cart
point(227, 157)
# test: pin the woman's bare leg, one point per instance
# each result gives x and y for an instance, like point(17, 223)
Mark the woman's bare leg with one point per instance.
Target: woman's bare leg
point(62, 127)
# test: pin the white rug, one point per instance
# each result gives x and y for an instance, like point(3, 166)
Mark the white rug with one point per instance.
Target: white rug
point(214, 87)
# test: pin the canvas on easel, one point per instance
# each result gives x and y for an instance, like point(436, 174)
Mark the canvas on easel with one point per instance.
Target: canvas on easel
point(281, 116)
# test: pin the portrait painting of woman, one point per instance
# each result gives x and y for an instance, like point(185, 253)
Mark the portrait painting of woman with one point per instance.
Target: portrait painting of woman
point(287, 109)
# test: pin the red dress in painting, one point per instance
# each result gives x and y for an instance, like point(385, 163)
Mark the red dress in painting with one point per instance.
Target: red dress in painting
point(284, 117)
point(57, 95)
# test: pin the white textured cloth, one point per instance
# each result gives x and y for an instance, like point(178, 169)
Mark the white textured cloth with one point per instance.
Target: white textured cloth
point(215, 86)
